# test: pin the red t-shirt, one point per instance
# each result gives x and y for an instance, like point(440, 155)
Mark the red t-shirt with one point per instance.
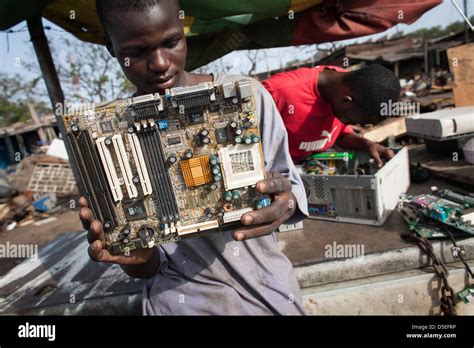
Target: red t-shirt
point(309, 120)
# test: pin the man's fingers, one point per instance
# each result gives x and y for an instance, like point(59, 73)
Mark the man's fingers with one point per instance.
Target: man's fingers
point(99, 254)
point(254, 231)
point(86, 216)
point(380, 152)
point(83, 202)
point(376, 156)
point(275, 184)
point(278, 209)
point(388, 153)
point(95, 232)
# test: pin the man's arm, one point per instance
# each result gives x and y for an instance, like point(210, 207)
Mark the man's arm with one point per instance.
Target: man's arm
point(145, 270)
point(354, 142)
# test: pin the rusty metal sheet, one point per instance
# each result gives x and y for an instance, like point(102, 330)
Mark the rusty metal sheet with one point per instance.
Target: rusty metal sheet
point(63, 280)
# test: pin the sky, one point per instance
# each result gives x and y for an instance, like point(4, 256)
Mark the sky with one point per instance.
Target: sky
point(15, 47)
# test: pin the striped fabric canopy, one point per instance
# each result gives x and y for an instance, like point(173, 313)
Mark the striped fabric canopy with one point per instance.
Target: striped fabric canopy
point(216, 27)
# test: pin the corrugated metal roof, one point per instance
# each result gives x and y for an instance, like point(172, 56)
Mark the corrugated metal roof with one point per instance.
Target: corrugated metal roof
point(390, 50)
point(63, 270)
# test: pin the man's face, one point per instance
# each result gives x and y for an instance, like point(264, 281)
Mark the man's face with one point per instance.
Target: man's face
point(354, 117)
point(344, 109)
point(150, 46)
point(346, 113)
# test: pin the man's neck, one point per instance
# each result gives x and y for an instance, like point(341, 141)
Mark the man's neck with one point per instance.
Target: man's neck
point(193, 79)
point(187, 79)
point(327, 80)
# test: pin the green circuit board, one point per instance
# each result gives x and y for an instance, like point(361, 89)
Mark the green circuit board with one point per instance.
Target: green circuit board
point(160, 168)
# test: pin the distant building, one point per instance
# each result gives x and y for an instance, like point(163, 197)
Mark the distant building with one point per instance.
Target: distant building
point(21, 138)
point(405, 56)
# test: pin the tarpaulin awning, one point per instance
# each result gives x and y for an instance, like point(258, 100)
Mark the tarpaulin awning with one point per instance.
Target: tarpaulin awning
point(215, 27)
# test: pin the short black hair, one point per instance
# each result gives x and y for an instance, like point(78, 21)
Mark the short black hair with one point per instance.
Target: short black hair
point(104, 7)
point(370, 86)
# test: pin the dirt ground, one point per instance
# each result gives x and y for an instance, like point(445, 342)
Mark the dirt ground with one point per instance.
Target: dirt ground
point(67, 222)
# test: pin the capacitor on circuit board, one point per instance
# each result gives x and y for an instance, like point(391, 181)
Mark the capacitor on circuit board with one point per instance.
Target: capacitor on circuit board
point(209, 213)
point(235, 195)
point(247, 139)
point(172, 159)
point(228, 196)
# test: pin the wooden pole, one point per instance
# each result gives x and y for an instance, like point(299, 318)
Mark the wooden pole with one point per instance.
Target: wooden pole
point(425, 55)
point(50, 75)
point(466, 27)
point(45, 60)
point(36, 120)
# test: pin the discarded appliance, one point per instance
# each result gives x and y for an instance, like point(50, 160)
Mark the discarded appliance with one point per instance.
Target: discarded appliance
point(352, 189)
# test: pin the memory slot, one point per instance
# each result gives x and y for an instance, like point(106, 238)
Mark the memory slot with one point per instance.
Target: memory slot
point(122, 157)
point(103, 195)
point(140, 163)
point(85, 185)
point(160, 211)
point(165, 174)
point(161, 174)
point(153, 169)
point(109, 168)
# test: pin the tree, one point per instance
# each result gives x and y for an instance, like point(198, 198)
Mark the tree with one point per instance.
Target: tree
point(87, 72)
point(217, 66)
point(438, 31)
point(15, 92)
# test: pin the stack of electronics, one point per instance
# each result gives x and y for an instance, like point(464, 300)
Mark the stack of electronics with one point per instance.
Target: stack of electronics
point(348, 187)
point(439, 214)
point(445, 131)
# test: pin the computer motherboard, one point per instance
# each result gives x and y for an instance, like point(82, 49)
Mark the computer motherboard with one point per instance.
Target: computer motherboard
point(160, 168)
point(438, 214)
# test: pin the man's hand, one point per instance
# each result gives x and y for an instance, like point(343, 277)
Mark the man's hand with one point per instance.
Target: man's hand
point(377, 152)
point(265, 221)
point(95, 236)
point(355, 142)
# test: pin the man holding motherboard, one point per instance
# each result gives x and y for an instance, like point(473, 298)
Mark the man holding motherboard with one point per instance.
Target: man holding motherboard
point(232, 272)
point(317, 105)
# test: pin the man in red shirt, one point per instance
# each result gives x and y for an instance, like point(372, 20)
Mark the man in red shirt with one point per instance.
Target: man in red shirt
point(317, 104)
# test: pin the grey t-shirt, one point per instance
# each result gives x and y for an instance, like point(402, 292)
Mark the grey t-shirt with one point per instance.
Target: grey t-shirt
point(215, 275)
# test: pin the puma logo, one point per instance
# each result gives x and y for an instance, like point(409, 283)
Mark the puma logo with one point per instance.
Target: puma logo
point(317, 144)
point(326, 134)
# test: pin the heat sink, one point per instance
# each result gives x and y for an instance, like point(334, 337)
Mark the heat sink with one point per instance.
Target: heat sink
point(196, 171)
